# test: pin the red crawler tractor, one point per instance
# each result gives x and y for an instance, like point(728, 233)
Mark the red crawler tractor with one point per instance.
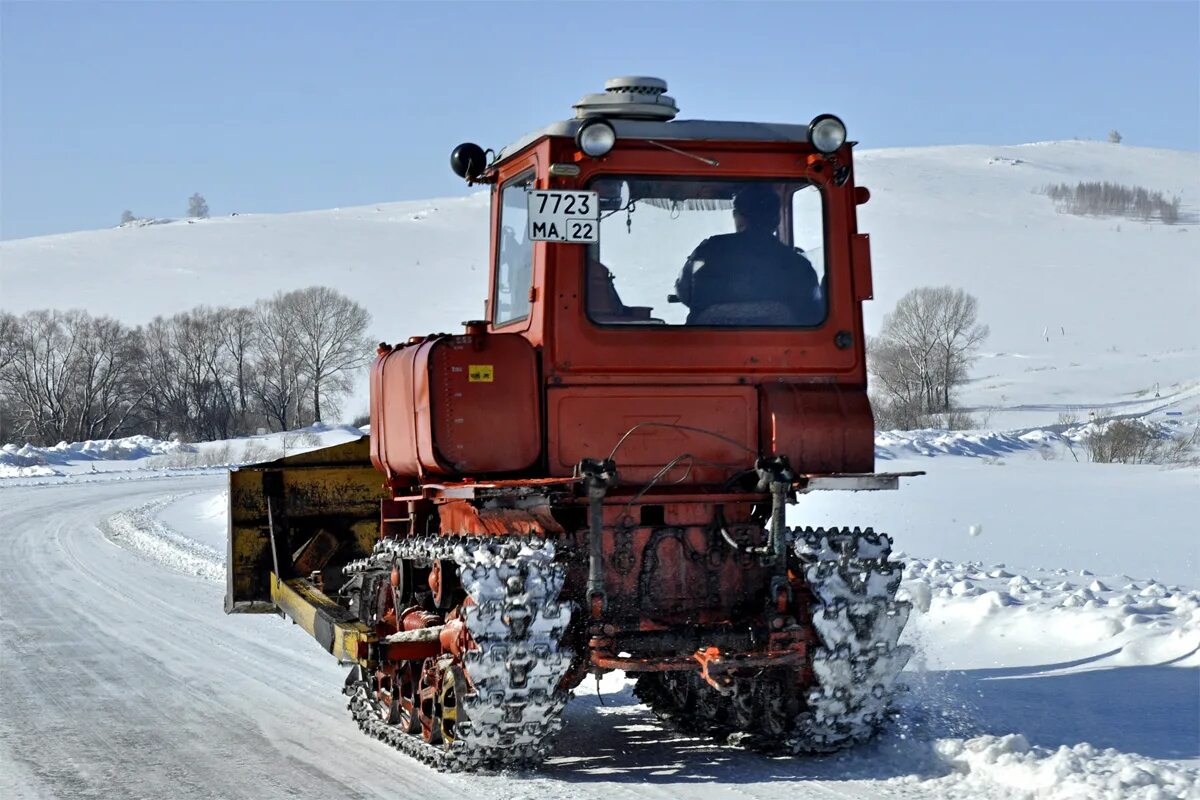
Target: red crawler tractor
point(594, 478)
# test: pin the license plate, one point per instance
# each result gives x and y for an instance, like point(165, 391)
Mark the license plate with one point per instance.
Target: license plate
point(559, 216)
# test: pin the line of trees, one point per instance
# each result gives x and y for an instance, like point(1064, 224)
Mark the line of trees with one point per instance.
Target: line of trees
point(207, 373)
point(197, 209)
point(1101, 198)
point(923, 352)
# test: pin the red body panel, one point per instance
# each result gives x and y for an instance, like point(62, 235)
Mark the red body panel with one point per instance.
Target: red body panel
point(590, 421)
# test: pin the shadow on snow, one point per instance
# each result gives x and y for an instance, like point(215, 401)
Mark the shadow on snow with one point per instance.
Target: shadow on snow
point(1153, 711)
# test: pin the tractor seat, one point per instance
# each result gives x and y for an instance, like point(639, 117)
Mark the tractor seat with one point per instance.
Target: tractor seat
point(745, 314)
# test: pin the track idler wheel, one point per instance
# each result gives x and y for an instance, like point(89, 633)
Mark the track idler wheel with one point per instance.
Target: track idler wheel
point(452, 689)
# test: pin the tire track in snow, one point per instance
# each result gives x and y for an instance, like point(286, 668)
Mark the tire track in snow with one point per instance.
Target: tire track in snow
point(140, 529)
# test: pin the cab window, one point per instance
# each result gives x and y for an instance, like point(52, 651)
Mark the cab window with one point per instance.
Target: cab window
point(514, 253)
point(708, 253)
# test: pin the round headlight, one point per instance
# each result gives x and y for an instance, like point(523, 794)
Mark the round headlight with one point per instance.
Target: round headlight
point(596, 138)
point(827, 133)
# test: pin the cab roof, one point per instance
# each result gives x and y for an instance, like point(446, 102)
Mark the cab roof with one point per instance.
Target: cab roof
point(694, 130)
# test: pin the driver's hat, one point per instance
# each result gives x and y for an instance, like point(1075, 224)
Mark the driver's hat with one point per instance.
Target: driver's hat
point(757, 203)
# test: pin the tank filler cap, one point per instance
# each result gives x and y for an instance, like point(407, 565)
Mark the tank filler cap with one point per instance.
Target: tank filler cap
point(629, 97)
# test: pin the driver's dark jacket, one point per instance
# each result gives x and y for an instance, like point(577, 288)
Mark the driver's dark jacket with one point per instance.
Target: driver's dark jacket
point(749, 267)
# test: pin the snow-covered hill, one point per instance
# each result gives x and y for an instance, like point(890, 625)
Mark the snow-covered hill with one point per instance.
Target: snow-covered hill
point(1085, 313)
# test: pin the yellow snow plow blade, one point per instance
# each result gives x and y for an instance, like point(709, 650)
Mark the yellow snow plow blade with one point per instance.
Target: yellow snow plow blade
point(301, 516)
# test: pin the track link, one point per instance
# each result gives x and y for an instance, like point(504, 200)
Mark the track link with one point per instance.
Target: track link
point(513, 704)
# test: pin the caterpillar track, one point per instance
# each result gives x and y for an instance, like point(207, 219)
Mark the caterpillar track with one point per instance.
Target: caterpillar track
point(857, 620)
point(500, 706)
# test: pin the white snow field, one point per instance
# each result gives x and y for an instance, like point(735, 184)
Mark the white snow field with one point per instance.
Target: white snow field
point(1057, 601)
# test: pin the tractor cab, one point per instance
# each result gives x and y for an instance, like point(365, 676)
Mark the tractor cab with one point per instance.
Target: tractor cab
point(698, 273)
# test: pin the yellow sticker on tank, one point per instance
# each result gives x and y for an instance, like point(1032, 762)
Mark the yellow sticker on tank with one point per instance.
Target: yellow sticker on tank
point(479, 373)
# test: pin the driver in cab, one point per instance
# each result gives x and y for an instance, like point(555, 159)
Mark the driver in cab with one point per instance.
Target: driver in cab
point(750, 277)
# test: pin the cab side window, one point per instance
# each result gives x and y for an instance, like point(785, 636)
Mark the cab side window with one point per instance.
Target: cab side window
point(514, 260)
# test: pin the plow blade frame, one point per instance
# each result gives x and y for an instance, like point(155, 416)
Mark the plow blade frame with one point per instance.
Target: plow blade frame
point(332, 626)
point(319, 509)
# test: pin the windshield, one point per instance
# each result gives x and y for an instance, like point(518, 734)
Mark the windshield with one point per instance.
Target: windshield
point(689, 251)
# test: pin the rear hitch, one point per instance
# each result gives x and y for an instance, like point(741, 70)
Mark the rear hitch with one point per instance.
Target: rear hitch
point(709, 657)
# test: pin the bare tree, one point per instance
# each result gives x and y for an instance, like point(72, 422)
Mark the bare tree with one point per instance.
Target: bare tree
point(37, 379)
point(899, 398)
point(197, 207)
point(236, 330)
point(66, 375)
point(162, 374)
point(191, 375)
point(959, 335)
point(8, 338)
point(906, 351)
point(1114, 136)
point(278, 384)
point(8, 352)
point(924, 352)
point(207, 373)
point(1101, 198)
point(329, 332)
point(105, 393)
point(127, 217)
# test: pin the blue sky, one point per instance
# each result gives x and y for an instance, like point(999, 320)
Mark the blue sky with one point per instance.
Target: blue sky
point(282, 106)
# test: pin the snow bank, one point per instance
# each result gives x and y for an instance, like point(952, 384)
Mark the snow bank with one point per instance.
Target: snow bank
point(147, 453)
point(126, 449)
point(30, 471)
point(980, 616)
point(980, 443)
point(983, 764)
point(1058, 440)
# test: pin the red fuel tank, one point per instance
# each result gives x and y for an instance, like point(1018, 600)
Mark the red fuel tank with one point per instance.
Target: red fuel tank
point(456, 405)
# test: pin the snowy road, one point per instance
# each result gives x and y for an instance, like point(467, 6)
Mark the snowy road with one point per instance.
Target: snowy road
point(121, 677)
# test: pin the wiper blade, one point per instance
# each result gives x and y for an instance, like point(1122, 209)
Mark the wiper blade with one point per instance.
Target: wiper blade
point(712, 162)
